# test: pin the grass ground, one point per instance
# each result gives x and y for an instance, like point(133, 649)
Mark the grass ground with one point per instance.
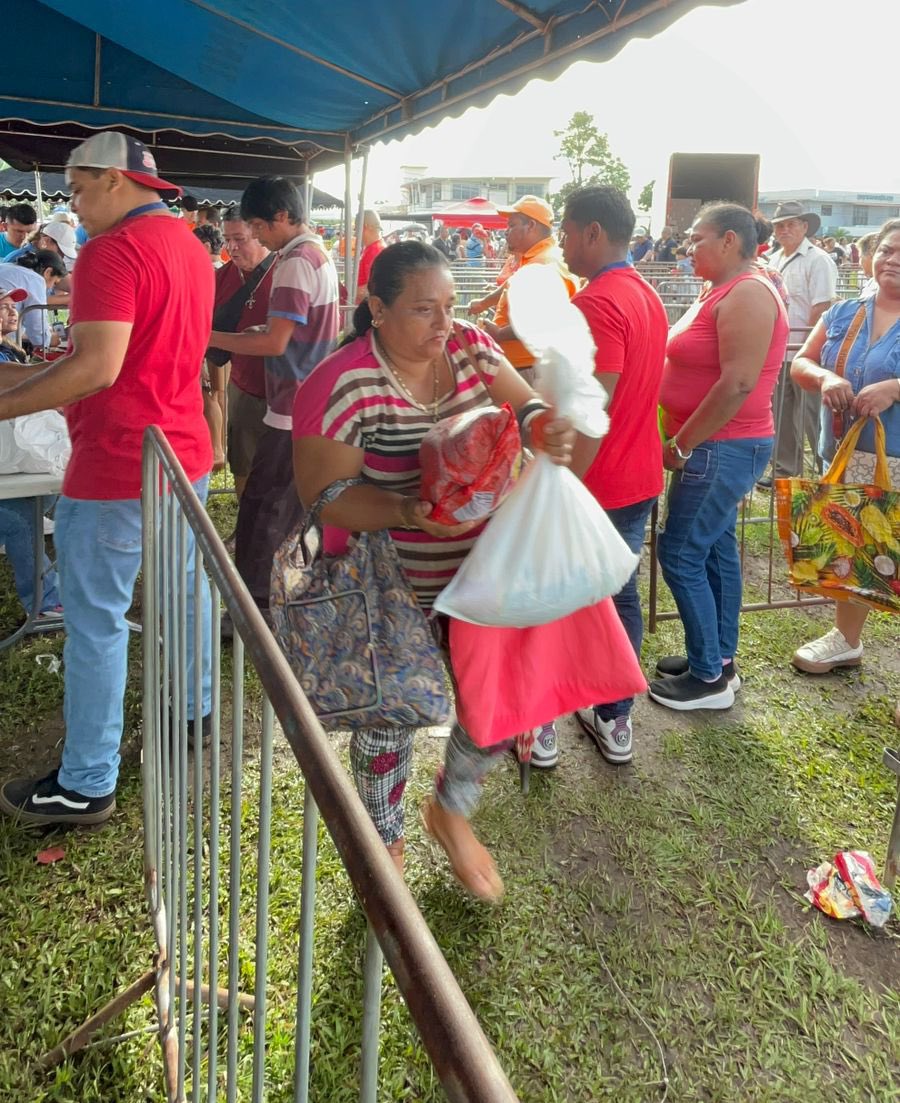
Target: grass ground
point(667, 895)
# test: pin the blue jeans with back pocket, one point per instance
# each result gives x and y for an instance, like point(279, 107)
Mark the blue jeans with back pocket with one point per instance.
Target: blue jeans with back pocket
point(698, 551)
point(99, 549)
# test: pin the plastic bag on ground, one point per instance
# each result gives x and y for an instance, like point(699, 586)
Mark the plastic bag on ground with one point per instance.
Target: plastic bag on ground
point(469, 464)
point(848, 888)
point(548, 551)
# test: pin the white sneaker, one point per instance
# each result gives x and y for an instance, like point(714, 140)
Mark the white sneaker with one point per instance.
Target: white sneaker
point(827, 653)
point(545, 750)
point(613, 737)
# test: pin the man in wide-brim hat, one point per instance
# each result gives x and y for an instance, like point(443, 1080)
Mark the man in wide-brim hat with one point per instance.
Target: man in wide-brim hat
point(810, 277)
point(794, 209)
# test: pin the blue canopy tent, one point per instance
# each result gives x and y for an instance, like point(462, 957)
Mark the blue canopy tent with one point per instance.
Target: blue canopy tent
point(316, 79)
point(225, 90)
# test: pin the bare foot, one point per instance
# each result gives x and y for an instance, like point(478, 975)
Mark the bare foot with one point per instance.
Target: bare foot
point(471, 862)
point(395, 849)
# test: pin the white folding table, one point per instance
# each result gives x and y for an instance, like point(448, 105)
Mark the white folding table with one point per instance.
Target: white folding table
point(38, 487)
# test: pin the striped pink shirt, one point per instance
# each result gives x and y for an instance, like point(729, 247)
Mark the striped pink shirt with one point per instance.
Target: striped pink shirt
point(353, 397)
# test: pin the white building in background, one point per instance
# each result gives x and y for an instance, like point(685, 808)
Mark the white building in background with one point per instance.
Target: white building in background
point(427, 194)
point(853, 213)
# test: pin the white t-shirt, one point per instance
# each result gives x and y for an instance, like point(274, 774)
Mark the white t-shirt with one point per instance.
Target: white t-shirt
point(36, 328)
point(810, 276)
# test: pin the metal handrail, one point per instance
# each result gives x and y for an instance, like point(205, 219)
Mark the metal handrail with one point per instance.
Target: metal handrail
point(459, 1050)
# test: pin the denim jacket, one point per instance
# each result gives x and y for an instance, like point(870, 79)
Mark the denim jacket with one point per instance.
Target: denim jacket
point(865, 364)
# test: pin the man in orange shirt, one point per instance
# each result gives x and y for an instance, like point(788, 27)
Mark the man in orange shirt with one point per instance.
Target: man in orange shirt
point(531, 241)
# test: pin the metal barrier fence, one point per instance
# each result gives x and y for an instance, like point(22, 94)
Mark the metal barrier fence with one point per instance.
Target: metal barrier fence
point(210, 918)
point(756, 516)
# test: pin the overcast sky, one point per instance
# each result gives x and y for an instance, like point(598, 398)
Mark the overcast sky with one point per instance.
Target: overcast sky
point(766, 76)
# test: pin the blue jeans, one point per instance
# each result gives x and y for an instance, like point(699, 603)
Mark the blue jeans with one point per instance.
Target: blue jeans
point(631, 524)
point(99, 546)
point(17, 533)
point(698, 551)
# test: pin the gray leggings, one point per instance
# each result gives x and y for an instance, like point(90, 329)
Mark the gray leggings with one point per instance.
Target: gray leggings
point(381, 759)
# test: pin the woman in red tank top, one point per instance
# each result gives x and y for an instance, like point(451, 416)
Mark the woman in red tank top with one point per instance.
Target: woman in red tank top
point(722, 362)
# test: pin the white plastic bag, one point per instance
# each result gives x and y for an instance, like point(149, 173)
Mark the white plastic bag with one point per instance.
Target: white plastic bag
point(36, 444)
point(557, 334)
point(548, 551)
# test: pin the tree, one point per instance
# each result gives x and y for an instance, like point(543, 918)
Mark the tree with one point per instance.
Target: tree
point(590, 160)
point(645, 199)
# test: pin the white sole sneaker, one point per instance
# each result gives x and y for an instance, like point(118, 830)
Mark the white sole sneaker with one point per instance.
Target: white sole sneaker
point(724, 699)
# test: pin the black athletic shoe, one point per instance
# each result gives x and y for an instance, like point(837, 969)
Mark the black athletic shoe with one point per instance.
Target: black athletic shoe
point(684, 692)
point(205, 731)
point(673, 665)
point(45, 801)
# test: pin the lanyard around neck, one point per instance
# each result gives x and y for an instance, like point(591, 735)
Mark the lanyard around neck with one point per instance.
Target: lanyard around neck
point(146, 208)
point(609, 268)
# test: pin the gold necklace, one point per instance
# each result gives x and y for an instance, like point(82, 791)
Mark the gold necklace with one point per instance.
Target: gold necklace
point(435, 398)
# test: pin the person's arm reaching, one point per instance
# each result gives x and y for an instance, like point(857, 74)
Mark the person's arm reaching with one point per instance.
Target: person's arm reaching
point(272, 341)
point(98, 352)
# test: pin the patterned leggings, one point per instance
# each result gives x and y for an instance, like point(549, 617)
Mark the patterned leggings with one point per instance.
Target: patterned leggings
point(381, 759)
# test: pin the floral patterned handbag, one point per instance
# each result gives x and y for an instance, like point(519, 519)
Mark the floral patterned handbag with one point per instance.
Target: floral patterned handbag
point(353, 631)
point(842, 540)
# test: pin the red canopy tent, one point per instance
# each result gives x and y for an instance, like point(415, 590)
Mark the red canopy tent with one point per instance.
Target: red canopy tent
point(468, 213)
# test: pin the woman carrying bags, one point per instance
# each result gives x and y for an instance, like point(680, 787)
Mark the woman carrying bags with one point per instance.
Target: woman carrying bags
point(363, 413)
point(852, 358)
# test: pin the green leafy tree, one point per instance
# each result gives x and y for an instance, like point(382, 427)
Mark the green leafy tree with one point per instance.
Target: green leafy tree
point(645, 200)
point(586, 151)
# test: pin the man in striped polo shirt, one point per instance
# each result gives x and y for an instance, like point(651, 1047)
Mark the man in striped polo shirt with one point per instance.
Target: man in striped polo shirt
point(301, 330)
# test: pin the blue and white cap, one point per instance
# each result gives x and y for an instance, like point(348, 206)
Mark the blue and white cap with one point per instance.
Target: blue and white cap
point(111, 150)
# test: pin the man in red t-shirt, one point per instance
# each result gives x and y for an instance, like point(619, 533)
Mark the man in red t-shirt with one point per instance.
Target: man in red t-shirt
point(373, 244)
point(629, 326)
point(140, 318)
point(251, 265)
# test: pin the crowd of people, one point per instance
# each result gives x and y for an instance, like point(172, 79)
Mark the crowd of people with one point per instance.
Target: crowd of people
point(225, 333)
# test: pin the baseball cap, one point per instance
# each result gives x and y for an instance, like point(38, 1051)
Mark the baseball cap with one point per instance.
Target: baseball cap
point(111, 150)
point(64, 236)
point(9, 290)
point(531, 207)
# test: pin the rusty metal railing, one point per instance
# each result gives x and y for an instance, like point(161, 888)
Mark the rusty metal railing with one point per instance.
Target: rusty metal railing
point(195, 878)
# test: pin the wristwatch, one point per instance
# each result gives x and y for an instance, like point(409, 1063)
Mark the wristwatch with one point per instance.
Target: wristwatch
point(673, 441)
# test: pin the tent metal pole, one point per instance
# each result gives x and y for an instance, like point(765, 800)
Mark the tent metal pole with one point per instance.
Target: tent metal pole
point(360, 216)
point(348, 223)
point(39, 193)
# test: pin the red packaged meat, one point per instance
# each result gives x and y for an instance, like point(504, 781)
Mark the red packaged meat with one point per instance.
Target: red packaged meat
point(469, 463)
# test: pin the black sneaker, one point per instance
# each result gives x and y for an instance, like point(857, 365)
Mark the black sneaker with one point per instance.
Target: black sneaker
point(205, 731)
point(685, 692)
point(45, 801)
point(672, 665)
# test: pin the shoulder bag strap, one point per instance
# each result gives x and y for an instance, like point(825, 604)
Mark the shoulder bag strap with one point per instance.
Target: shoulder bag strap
point(838, 422)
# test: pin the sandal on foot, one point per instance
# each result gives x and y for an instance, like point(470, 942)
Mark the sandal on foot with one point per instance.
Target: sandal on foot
point(485, 882)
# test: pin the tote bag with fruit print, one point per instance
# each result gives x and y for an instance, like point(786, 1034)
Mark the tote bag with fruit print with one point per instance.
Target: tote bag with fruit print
point(842, 540)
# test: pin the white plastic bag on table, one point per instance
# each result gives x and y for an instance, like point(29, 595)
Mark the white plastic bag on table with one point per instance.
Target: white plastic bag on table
point(35, 444)
point(549, 549)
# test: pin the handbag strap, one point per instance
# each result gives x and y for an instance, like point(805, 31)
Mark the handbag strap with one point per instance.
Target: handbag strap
point(849, 340)
point(838, 423)
point(330, 494)
point(837, 470)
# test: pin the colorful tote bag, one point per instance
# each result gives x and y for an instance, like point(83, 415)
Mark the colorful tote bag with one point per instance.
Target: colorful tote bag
point(842, 540)
point(353, 631)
